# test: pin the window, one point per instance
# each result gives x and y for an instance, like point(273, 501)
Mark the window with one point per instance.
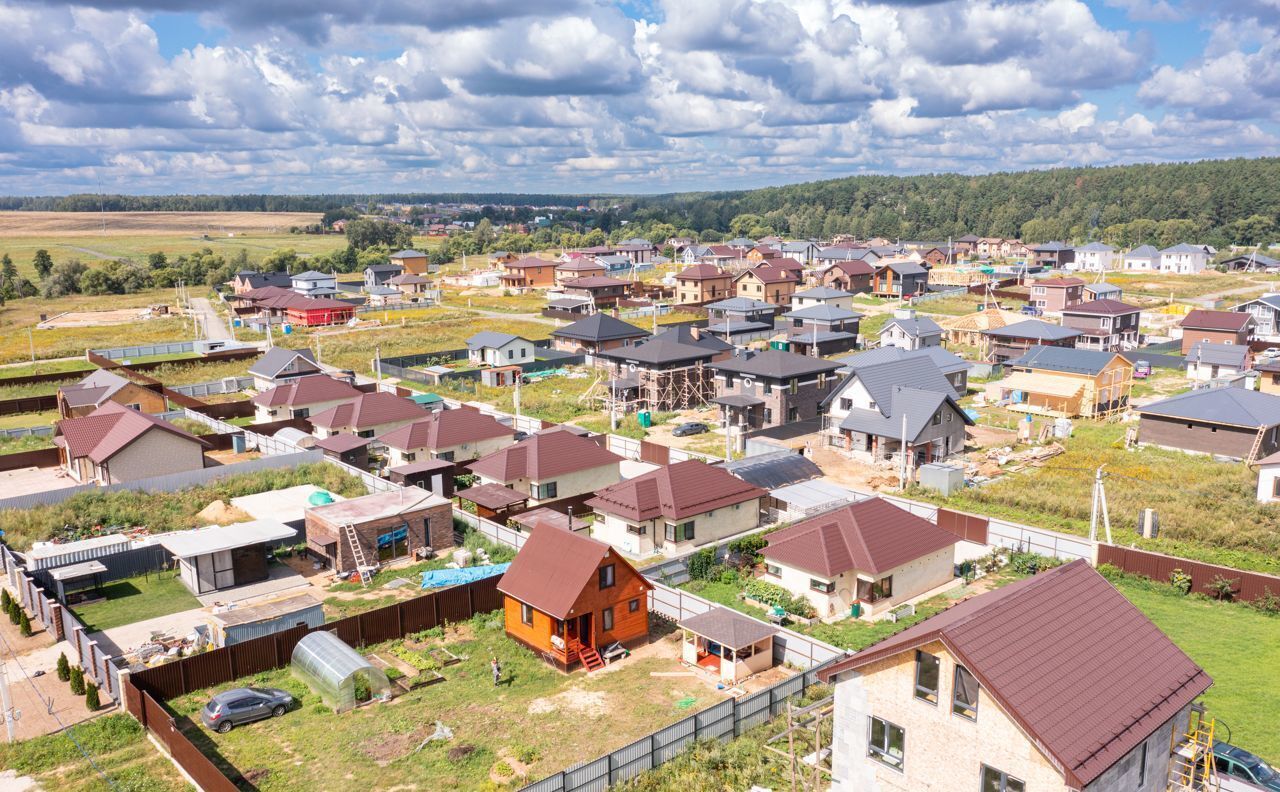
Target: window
point(822, 586)
point(365, 433)
point(794, 385)
point(1142, 765)
point(882, 588)
point(607, 578)
point(964, 702)
point(134, 406)
point(606, 619)
point(776, 571)
point(927, 674)
point(994, 780)
point(511, 354)
point(638, 530)
point(633, 606)
point(937, 418)
point(543, 491)
point(886, 743)
point(447, 456)
point(410, 456)
point(526, 614)
point(680, 533)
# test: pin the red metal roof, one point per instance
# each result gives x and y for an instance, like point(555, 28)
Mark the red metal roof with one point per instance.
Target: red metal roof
point(342, 442)
point(544, 456)
point(675, 492)
point(1201, 319)
point(312, 389)
point(368, 410)
point(702, 272)
point(553, 568)
point(1082, 671)
point(444, 429)
point(871, 536)
point(110, 429)
point(492, 496)
point(853, 268)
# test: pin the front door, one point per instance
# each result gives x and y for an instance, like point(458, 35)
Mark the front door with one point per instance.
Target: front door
point(585, 634)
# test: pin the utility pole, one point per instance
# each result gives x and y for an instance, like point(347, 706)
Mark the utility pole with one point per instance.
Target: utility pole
point(1099, 505)
point(31, 339)
point(902, 475)
point(728, 436)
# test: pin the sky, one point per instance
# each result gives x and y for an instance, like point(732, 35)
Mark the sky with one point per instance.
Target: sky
point(640, 96)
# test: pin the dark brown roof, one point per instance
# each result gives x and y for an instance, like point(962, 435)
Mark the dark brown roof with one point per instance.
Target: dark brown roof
point(311, 389)
point(1201, 319)
point(1102, 308)
point(702, 272)
point(341, 443)
point(728, 627)
point(1082, 671)
point(675, 492)
point(593, 282)
point(544, 456)
point(871, 536)
point(527, 262)
point(110, 429)
point(492, 496)
point(768, 274)
point(445, 429)
point(368, 410)
point(553, 568)
point(852, 268)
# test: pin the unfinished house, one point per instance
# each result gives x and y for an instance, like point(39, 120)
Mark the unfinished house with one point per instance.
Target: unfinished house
point(821, 329)
point(661, 373)
point(1065, 383)
point(771, 388)
point(1000, 345)
point(1055, 683)
point(104, 386)
point(379, 528)
point(1106, 325)
point(1230, 422)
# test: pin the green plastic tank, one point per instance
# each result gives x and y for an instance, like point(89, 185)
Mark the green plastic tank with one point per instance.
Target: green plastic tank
point(319, 498)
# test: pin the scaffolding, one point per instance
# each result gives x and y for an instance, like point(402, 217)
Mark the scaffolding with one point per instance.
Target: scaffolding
point(1191, 767)
point(657, 389)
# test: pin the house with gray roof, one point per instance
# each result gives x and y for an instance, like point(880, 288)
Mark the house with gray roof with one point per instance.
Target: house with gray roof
point(766, 389)
point(740, 320)
point(803, 250)
point(899, 278)
point(830, 328)
point(1265, 311)
point(952, 366)
point(1142, 258)
point(280, 365)
point(908, 331)
point(1184, 259)
point(1208, 361)
point(314, 284)
point(1102, 291)
point(595, 334)
point(1052, 255)
point(1230, 422)
point(1252, 262)
point(1064, 382)
point(822, 295)
point(666, 372)
point(875, 407)
point(490, 348)
point(1002, 344)
point(1094, 257)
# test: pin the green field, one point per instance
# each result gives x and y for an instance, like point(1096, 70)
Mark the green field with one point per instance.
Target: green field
point(118, 748)
point(135, 599)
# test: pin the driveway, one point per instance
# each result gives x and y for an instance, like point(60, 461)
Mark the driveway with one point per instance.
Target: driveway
point(214, 328)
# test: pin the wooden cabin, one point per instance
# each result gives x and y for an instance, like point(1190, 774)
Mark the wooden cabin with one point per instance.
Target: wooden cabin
point(569, 597)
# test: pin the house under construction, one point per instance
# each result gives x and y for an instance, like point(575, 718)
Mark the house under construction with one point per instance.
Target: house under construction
point(667, 372)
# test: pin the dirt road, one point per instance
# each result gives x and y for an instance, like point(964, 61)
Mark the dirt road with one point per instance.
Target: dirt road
point(214, 328)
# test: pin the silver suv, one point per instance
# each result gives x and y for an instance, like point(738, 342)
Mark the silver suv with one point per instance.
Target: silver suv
point(238, 706)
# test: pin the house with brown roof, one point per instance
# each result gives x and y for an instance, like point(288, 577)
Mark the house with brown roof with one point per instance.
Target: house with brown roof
point(114, 444)
point(452, 435)
point(528, 273)
point(386, 525)
point(603, 292)
point(1054, 294)
point(578, 267)
point(567, 596)
point(367, 415)
point(852, 276)
point(1053, 683)
point(1215, 327)
point(861, 560)
point(768, 284)
point(302, 397)
point(703, 283)
point(675, 509)
point(550, 466)
point(413, 287)
point(104, 386)
point(1107, 325)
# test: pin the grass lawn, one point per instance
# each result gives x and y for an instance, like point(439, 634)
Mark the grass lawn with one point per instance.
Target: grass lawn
point(64, 342)
point(23, 420)
point(71, 368)
point(134, 599)
point(958, 305)
point(495, 300)
point(556, 399)
point(355, 349)
point(1238, 646)
point(1162, 284)
point(543, 718)
point(15, 445)
point(118, 747)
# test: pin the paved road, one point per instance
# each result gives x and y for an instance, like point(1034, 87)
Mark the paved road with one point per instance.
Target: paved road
point(215, 328)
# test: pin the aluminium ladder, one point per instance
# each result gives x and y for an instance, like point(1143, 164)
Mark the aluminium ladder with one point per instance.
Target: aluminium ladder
point(362, 566)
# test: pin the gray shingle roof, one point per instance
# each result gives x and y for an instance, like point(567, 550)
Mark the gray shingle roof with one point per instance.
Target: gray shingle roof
point(906, 267)
point(684, 335)
point(1099, 247)
point(823, 312)
point(921, 325)
point(490, 339)
point(728, 627)
point(600, 327)
point(775, 469)
point(659, 351)
point(880, 380)
point(741, 305)
point(1233, 355)
point(1066, 359)
point(1183, 247)
point(276, 358)
point(947, 362)
point(821, 293)
point(1050, 247)
point(1228, 406)
point(1142, 251)
point(776, 364)
point(1034, 328)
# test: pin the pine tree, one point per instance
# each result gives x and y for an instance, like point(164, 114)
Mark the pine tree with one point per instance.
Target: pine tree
point(64, 668)
point(24, 625)
point(14, 611)
point(43, 262)
point(77, 681)
point(91, 702)
point(5, 599)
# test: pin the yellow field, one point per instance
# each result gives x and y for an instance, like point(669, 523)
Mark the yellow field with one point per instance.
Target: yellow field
point(27, 224)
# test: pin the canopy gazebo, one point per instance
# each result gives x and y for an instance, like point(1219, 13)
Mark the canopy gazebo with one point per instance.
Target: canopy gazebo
point(731, 645)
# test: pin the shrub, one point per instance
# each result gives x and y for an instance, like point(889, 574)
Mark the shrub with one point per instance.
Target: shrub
point(362, 690)
point(5, 599)
point(729, 577)
point(1268, 603)
point(750, 546)
point(77, 681)
point(503, 770)
point(64, 668)
point(528, 755)
point(1181, 581)
point(701, 562)
point(13, 611)
point(773, 594)
point(91, 702)
point(1221, 588)
point(1031, 563)
point(24, 624)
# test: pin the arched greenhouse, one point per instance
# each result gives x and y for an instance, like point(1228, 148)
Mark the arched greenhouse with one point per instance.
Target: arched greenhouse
point(339, 674)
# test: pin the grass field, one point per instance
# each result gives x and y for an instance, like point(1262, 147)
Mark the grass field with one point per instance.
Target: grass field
point(541, 719)
point(555, 399)
point(23, 420)
point(17, 318)
point(355, 350)
point(1238, 646)
point(1159, 284)
point(495, 300)
point(135, 599)
point(119, 749)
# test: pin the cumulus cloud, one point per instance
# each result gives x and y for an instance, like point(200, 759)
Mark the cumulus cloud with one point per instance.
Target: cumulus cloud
point(582, 94)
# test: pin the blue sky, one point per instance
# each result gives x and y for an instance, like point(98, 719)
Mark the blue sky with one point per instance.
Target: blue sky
point(159, 96)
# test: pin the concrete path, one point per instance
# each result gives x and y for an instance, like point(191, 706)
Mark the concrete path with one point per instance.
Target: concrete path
point(215, 328)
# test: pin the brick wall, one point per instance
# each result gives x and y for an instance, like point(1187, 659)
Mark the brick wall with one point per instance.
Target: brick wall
point(432, 526)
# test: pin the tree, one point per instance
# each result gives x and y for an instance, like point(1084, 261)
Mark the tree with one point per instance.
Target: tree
point(8, 277)
point(157, 260)
point(43, 262)
point(97, 282)
point(5, 600)
point(24, 625)
point(64, 278)
point(64, 668)
point(367, 232)
point(91, 701)
point(77, 681)
point(282, 260)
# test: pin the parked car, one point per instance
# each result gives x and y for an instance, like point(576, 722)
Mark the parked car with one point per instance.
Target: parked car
point(518, 436)
point(1270, 352)
point(239, 706)
point(688, 429)
point(1142, 369)
point(1241, 771)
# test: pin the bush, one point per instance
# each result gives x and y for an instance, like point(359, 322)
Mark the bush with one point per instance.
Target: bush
point(14, 611)
point(1221, 588)
point(773, 594)
point(503, 770)
point(91, 702)
point(1268, 603)
point(1031, 563)
point(64, 668)
point(363, 692)
point(1181, 581)
point(750, 546)
point(5, 599)
point(528, 755)
point(24, 624)
point(701, 563)
point(77, 681)
point(729, 577)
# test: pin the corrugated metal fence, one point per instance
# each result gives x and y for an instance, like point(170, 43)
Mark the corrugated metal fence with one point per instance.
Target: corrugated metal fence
point(1248, 585)
point(122, 353)
point(723, 721)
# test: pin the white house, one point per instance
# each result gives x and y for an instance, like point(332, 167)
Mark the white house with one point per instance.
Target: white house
point(314, 284)
point(1094, 257)
point(1269, 478)
point(1143, 258)
point(906, 331)
point(1184, 259)
point(822, 295)
point(499, 349)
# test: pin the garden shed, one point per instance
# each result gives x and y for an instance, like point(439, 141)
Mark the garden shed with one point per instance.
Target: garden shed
point(340, 675)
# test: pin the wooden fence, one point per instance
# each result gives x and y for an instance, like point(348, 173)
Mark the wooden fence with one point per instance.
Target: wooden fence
point(1248, 585)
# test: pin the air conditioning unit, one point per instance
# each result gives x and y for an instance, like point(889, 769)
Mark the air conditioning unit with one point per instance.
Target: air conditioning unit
point(1148, 524)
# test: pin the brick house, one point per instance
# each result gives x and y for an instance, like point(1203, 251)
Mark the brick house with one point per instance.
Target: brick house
point(1107, 325)
point(770, 284)
point(114, 444)
point(104, 386)
point(703, 283)
point(528, 273)
point(1215, 327)
point(771, 388)
point(852, 276)
point(595, 334)
point(1055, 294)
point(387, 526)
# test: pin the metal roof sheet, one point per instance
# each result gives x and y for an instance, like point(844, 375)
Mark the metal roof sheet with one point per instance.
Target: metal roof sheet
point(1227, 406)
point(216, 538)
point(774, 469)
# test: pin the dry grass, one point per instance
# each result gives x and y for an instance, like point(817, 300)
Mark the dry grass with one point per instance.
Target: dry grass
point(355, 350)
point(27, 224)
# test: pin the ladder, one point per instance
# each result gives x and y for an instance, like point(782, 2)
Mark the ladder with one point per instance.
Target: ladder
point(1191, 768)
point(1257, 444)
point(362, 566)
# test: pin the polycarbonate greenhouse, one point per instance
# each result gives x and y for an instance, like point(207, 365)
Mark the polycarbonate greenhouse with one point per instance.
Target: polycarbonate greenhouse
point(334, 670)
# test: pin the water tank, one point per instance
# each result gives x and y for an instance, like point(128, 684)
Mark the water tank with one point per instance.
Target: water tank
point(319, 498)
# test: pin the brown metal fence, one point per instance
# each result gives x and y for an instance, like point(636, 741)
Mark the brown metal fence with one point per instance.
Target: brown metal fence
point(164, 728)
point(1248, 585)
point(970, 527)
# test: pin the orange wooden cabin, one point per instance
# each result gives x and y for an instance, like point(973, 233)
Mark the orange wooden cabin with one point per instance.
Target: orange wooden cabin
point(568, 597)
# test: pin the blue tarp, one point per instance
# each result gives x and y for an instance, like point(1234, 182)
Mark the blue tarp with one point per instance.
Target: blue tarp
point(439, 578)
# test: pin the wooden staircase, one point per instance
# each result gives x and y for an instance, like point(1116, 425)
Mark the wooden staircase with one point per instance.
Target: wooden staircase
point(589, 656)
